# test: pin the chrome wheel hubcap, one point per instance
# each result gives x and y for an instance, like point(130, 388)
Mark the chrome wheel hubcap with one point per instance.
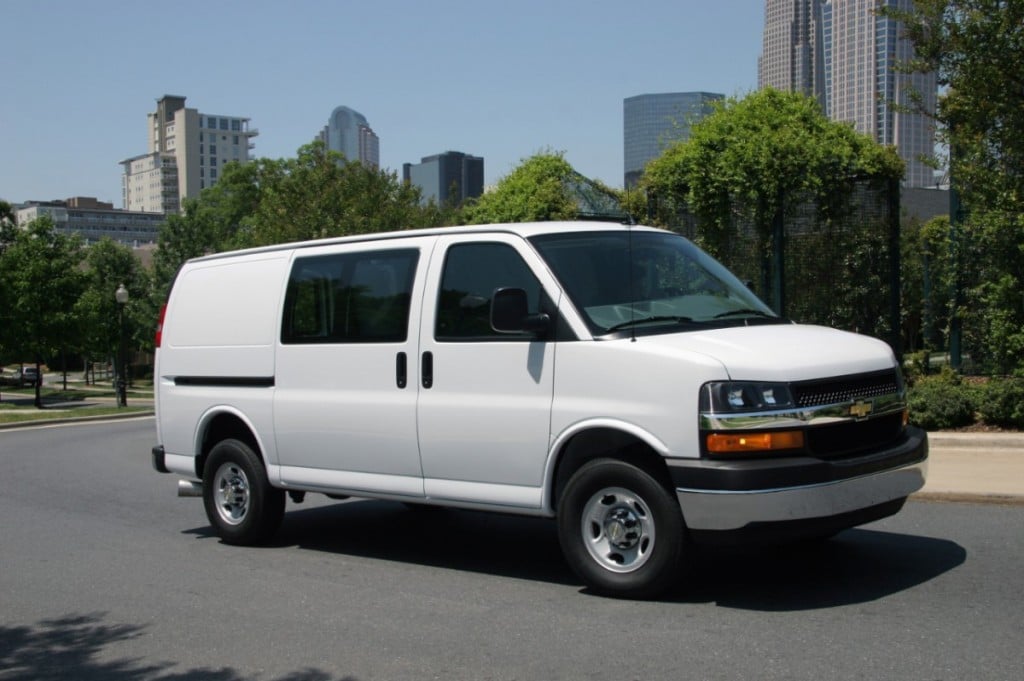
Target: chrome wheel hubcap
point(231, 493)
point(618, 529)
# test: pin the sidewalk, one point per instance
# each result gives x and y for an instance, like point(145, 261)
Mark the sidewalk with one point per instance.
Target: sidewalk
point(983, 467)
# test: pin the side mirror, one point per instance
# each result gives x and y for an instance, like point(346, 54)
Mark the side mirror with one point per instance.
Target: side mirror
point(510, 313)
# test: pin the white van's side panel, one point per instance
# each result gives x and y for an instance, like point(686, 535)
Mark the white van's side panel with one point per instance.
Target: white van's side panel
point(220, 328)
point(484, 422)
point(224, 325)
point(634, 385)
point(341, 419)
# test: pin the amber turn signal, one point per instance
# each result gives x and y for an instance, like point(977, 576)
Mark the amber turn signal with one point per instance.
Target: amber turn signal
point(738, 443)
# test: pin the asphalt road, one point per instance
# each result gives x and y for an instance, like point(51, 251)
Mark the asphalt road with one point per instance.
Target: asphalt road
point(106, 574)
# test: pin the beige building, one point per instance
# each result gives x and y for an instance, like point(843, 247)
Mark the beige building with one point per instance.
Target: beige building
point(187, 153)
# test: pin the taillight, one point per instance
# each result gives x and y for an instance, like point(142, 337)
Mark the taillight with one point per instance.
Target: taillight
point(160, 325)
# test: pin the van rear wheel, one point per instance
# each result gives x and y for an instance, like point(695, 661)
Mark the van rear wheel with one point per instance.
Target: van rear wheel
point(621, 531)
point(240, 503)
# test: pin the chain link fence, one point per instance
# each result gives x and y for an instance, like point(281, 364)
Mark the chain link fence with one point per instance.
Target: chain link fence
point(842, 272)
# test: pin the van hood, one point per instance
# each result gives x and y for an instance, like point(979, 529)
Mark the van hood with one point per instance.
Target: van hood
point(781, 352)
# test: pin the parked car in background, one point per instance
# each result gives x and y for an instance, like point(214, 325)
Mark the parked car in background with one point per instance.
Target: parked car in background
point(30, 376)
point(20, 377)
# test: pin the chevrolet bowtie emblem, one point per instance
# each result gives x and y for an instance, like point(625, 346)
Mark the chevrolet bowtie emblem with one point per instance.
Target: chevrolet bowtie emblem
point(860, 409)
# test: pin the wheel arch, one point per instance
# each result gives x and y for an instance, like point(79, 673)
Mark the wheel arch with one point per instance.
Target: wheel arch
point(603, 440)
point(223, 423)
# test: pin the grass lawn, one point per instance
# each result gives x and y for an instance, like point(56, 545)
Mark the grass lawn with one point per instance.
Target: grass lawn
point(16, 405)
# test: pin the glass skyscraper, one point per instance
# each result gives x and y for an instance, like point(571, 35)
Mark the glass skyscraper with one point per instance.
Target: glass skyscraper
point(449, 177)
point(348, 132)
point(844, 54)
point(652, 123)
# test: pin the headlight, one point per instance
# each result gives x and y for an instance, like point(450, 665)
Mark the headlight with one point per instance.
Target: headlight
point(725, 435)
point(742, 396)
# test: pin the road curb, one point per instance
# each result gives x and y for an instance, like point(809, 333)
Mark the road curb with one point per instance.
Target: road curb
point(970, 498)
point(75, 419)
point(958, 440)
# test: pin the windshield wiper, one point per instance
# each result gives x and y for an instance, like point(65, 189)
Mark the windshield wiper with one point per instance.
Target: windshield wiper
point(745, 310)
point(644, 320)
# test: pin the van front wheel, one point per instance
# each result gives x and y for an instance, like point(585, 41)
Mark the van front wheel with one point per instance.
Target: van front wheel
point(621, 531)
point(240, 503)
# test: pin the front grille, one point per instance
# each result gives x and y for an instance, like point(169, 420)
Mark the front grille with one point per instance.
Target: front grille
point(853, 437)
point(845, 389)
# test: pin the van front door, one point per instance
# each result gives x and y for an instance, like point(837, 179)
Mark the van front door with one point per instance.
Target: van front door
point(485, 397)
point(345, 394)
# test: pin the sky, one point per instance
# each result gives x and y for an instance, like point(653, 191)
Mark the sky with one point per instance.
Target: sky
point(501, 80)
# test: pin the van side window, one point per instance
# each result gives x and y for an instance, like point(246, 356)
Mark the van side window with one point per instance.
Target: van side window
point(350, 298)
point(472, 272)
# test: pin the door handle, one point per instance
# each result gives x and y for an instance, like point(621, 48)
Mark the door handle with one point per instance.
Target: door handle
point(427, 369)
point(401, 370)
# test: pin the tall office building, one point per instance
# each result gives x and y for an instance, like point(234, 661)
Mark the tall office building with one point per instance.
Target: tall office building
point(652, 123)
point(844, 54)
point(187, 151)
point(448, 177)
point(792, 57)
point(348, 132)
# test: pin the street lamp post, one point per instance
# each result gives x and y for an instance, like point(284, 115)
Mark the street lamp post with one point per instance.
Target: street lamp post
point(121, 296)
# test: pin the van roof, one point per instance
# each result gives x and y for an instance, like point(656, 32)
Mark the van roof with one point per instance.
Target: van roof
point(523, 229)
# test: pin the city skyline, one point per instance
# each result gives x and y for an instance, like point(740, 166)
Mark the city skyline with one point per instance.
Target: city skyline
point(520, 80)
point(844, 55)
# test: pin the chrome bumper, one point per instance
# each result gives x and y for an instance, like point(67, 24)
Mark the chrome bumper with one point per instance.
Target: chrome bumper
point(731, 509)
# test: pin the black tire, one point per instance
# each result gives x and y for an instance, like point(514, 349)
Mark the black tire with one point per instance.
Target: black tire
point(240, 503)
point(621, 531)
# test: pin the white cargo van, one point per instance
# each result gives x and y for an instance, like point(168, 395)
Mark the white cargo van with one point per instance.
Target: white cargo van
point(615, 378)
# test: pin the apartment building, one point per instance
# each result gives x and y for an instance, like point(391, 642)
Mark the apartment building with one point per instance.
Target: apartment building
point(187, 152)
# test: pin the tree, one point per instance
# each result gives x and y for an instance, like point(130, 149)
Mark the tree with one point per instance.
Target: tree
point(544, 187)
point(41, 280)
point(210, 223)
point(7, 225)
point(108, 265)
point(759, 160)
point(315, 195)
point(754, 153)
point(319, 194)
point(927, 283)
point(975, 46)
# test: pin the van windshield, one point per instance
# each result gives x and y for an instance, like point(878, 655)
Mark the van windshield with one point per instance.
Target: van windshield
point(648, 282)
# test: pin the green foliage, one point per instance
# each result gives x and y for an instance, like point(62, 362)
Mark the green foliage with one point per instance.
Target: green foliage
point(40, 280)
point(108, 265)
point(7, 225)
point(942, 401)
point(927, 282)
point(536, 190)
point(990, 251)
point(762, 155)
point(975, 46)
point(319, 194)
point(773, 158)
point(315, 195)
point(1001, 403)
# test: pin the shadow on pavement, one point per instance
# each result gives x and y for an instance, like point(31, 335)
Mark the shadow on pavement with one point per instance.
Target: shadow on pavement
point(857, 566)
point(72, 647)
point(489, 543)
